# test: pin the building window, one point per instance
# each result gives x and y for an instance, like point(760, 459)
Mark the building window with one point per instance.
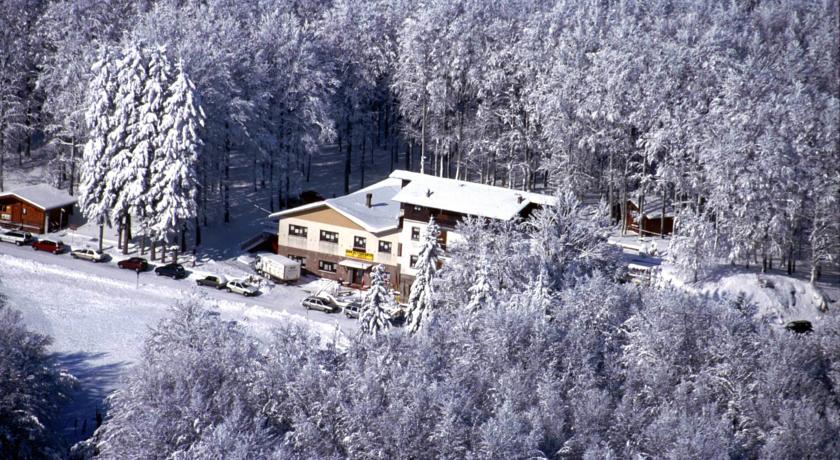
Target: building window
point(385, 246)
point(418, 208)
point(24, 211)
point(326, 266)
point(415, 233)
point(399, 249)
point(412, 261)
point(297, 230)
point(300, 259)
point(359, 243)
point(329, 237)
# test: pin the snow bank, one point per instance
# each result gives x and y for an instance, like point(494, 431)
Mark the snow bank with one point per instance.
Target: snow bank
point(780, 299)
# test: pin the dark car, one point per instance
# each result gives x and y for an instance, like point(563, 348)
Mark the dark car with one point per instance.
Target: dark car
point(137, 264)
point(173, 270)
point(799, 326)
point(52, 246)
point(215, 281)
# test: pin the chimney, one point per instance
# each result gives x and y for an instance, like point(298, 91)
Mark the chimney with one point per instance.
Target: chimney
point(368, 199)
point(520, 198)
point(428, 192)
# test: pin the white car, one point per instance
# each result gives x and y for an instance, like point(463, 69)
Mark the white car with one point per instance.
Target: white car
point(241, 287)
point(16, 237)
point(88, 254)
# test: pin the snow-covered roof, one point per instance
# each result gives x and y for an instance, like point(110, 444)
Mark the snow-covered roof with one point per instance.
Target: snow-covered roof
point(383, 215)
point(465, 197)
point(42, 196)
point(653, 207)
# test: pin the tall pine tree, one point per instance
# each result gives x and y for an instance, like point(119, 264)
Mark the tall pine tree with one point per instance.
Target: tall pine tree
point(422, 289)
point(375, 314)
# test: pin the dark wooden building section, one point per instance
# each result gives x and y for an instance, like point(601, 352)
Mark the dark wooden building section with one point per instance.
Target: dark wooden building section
point(36, 209)
point(650, 221)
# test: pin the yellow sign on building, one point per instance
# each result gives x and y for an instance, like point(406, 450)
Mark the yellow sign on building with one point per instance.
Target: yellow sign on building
point(358, 254)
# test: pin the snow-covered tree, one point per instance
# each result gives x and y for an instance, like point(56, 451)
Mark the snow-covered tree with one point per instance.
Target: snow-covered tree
point(32, 390)
point(174, 181)
point(421, 296)
point(481, 292)
point(378, 303)
point(103, 141)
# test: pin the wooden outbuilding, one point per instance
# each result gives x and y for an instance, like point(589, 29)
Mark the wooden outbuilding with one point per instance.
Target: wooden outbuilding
point(650, 219)
point(37, 208)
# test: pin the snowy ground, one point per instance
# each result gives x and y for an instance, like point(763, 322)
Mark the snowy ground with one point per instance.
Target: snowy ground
point(98, 316)
point(779, 298)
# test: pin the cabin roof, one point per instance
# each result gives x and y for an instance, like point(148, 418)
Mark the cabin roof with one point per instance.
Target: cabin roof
point(43, 196)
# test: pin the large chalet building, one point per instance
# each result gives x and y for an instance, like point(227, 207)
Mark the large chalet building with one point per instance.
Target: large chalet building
point(342, 238)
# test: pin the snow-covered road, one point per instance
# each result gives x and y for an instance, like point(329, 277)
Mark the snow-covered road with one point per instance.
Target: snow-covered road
point(98, 315)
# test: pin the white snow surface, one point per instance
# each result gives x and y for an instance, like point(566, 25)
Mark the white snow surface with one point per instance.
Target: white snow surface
point(465, 197)
point(99, 316)
point(383, 215)
point(44, 196)
point(779, 298)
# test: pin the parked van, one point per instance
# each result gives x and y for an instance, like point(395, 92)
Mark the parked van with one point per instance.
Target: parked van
point(277, 267)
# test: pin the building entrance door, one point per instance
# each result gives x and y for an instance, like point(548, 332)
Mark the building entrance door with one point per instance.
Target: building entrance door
point(356, 276)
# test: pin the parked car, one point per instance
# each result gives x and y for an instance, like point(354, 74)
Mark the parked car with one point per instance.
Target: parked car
point(52, 246)
point(353, 310)
point(137, 264)
point(16, 237)
point(92, 255)
point(173, 270)
point(320, 304)
point(216, 281)
point(241, 287)
point(799, 326)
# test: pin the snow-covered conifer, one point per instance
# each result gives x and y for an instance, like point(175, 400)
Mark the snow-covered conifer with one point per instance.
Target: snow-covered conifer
point(375, 314)
point(422, 289)
point(481, 292)
point(174, 180)
point(94, 200)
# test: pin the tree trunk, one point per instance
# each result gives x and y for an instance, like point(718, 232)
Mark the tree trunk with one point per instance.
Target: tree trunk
point(348, 157)
point(101, 235)
point(153, 248)
point(197, 233)
point(422, 142)
point(662, 216)
point(2, 156)
point(226, 166)
point(362, 163)
point(126, 232)
point(72, 185)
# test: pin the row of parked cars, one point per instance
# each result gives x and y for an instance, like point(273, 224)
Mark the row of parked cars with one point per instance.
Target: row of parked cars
point(347, 304)
point(138, 264)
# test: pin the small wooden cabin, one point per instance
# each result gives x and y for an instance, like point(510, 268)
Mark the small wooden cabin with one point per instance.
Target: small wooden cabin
point(650, 219)
point(37, 208)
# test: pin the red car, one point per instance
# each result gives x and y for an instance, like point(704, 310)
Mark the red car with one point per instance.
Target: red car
point(138, 264)
point(54, 247)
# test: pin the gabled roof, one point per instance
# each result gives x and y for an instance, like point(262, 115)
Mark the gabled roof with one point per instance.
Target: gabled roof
point(42, 196)
point(383, 215)
point(465, 197)
point(653, 207)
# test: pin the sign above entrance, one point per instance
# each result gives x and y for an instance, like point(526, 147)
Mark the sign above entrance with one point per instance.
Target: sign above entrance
point(358, 255)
